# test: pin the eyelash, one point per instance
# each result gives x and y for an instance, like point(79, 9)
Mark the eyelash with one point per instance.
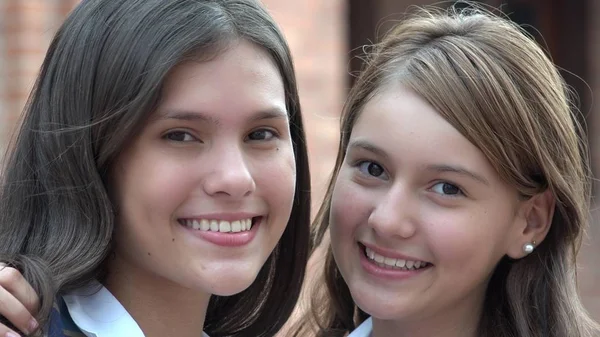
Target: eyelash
point(179, 132)
point(273, 135)
point(460, 192)
point(360, 163)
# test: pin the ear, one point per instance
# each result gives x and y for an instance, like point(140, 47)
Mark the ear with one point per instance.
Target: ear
point(537, 213)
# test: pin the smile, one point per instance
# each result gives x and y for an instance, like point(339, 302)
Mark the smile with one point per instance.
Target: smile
point(391, 263)
point(223, 226)
point(226, 233)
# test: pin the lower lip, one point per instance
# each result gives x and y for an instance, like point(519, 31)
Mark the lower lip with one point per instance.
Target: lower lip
point(383, 273)
point(229, 239)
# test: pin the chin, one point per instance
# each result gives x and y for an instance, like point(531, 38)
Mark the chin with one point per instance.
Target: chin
point(231, 284)
point(230, 288)
point(385, 313)
point(381, 313)
point(380, 307)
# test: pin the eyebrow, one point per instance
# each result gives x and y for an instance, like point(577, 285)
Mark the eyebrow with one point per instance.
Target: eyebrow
point(458, 170)
point(367, 146)
point(273, 113)
point(185, 115)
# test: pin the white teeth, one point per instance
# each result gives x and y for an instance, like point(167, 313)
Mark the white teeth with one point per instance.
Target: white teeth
point(219, 225)
point(236, 226)
point(204, 225)
point(195, 224)
point(224, 226)
point(389, 262)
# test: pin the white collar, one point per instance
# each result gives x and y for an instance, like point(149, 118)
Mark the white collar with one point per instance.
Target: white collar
point(97, 313)
point(363, 330)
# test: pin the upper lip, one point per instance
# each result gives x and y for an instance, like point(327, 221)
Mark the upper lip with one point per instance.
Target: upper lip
point(391, 253)
point(222, 216)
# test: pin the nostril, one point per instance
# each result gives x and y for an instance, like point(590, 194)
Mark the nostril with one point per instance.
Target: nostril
point(229, 184)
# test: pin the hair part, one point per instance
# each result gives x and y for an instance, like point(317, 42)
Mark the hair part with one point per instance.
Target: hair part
point(101, 78)
point(497, 87)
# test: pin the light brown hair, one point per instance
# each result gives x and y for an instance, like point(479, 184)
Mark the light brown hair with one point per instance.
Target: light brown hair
point(498, 88)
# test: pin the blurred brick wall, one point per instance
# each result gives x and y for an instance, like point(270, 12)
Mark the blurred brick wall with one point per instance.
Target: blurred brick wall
point(26, 28)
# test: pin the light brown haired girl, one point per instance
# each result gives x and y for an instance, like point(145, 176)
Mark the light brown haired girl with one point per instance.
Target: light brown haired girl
point(461, 190)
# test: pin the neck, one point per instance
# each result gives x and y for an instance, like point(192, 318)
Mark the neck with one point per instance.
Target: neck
point(457, 320)
point(159, 306)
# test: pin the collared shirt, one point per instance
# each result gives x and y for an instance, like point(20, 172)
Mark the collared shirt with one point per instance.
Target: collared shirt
point(363, 330)
point(97, 313)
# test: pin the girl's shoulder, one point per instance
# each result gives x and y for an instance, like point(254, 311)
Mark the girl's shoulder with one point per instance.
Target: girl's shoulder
point(60, 323)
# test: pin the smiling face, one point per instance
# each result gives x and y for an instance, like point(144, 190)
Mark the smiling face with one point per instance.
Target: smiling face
point(419, 217)
point(205, 191)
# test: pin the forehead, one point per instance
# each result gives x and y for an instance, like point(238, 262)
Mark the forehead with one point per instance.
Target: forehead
point(410, 130)
point(398, 114)
point(243, 77)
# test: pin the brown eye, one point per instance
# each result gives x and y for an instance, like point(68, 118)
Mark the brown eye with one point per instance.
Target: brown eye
point(179, 136)
point(262, 134)
point(444, 188)
point(372, 169)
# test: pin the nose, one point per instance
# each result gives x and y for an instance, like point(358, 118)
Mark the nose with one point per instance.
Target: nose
point(230, 174)
point(394, 214)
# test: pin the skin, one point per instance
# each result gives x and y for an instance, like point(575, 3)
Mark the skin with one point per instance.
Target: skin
point(435, 199)
point(17, 301)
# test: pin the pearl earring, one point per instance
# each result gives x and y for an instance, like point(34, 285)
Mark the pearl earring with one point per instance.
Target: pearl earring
point(529, 247)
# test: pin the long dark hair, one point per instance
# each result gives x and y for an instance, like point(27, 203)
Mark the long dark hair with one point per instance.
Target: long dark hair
point(101, 78)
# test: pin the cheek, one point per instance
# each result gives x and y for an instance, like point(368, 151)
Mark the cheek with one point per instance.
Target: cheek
point(350, 206)
point(154, 186)
point(275, 179)
point(467, 239)
point(149, 189)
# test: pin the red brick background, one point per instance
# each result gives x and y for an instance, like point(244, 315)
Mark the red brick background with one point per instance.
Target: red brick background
point(26, 28)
